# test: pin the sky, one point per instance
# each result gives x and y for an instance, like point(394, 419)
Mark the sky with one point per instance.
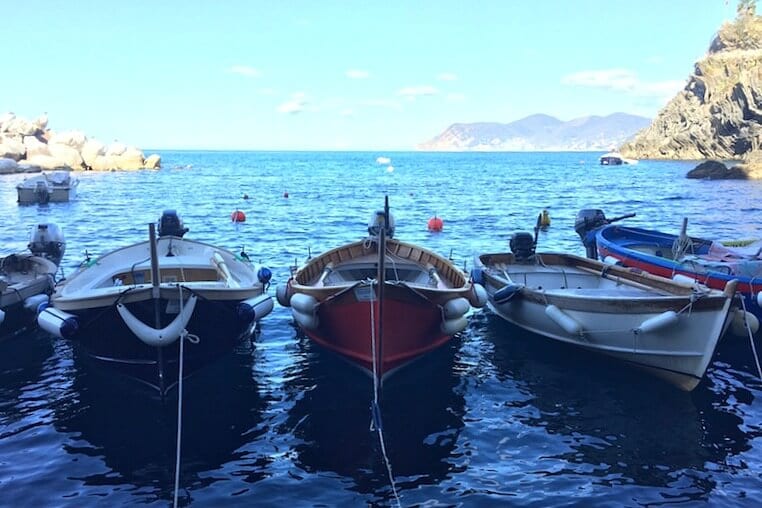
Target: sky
point(339, 75)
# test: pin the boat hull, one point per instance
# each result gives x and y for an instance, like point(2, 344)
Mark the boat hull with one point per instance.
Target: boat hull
point(56, 195)
point(17, 302)
point(612, 242)
point(107, 339)
point(671, 337)
point(348, 325)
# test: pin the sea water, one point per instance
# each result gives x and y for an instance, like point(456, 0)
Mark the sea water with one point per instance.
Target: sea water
point(497, 417)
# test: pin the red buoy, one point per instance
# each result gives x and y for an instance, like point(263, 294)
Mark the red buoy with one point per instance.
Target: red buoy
point(238, 216)
point(435, 224)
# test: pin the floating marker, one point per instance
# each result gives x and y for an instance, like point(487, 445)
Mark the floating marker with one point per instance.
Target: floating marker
point(435, 224)
point(238, 216)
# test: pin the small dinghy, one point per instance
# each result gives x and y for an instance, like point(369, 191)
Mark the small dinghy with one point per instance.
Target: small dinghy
point(55, 187)
point(380, 303)
point(130, 307)
point(27, 279)
point(669, 328)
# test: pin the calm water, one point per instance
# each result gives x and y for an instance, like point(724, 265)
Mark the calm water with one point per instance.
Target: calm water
point(498, 417)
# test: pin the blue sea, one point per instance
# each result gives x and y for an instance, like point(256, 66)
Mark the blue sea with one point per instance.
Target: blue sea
point(497, 417)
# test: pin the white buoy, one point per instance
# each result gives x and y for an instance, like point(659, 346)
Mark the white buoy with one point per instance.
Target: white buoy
point(562, 319)
point(738, 326)
point(611, 260)
point(478, 296)
point(58, 323)
point(455, 308)
point(663, 320)
point(33, 303)
point(257, 307)
point(305, 304)
point(759, 298)
point(281, 294)
point(158, 337)
point(306, 321)
point(453, 326)
point(684, 279)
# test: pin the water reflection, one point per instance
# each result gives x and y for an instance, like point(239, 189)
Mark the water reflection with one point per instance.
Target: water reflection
point(134, 436)
point(614, 425)
point(423, 410)
point(24, 360)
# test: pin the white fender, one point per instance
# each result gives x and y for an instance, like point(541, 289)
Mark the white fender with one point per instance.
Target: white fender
point(564, 320)
point(255, 308)
point(456, 307)
point(282, 294)
point(759, 298)
point(663, 320)
point(478, 296)
point(611, 260)
point(219, 262)
point(2, 316)
point(306, 304)
point(737, 326)
point(152, 336)
point(306, 321)
point(58, 323)
point(684, 279)
point(453, 326)
point(33, 303)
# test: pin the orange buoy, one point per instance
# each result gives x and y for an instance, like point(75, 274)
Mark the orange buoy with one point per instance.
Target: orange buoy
point(238, 216)
point(435, 224)
point(285, 194)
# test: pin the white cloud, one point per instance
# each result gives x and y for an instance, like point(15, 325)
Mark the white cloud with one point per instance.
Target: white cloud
point(382, 103)
point(455, 97)
point(245, 70)
point(447, 76)
point(411, 92)
point(346, 112)
point(623, 80)
point(297, 104)
point(357, 74)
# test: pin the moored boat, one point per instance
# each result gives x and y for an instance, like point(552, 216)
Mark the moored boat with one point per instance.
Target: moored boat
point(54, 187)
point(129, 307)
point(615, 159)
point(27, 279)
point(380, 303)
point(668, 328)
point(708, 262)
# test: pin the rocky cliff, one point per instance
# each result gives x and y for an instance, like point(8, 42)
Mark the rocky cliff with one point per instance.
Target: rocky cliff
point(29, 145)
point(539, 133)
point(718, 115)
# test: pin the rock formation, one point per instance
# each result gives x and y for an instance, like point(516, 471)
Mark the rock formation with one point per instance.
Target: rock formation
point(27, 146)
point(718, 114)
point(716, 170)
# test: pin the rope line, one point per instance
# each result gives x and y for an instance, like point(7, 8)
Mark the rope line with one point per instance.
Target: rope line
point(376, 422)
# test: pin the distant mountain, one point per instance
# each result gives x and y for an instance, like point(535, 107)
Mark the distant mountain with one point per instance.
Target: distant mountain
point(539, 133)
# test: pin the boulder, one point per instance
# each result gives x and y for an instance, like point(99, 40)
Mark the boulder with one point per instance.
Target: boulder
point(21, 127)
point(131, 158)
point(103, 163)
point(35, 147)
point(8, 166)
point(715, 170)
point(12, 148)
point(92, 149)
point(153, 161)
point(74, 139)
point(68, 155)
point(46, 162)
point(115, 148)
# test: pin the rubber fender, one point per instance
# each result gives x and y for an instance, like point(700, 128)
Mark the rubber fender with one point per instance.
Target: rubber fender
point(663, 320)
point(478, 296)
point(33, 302)
point(562, 319)
point(58, 323)
point(255, 308)
point(306, 321)
point(456, 307)
point(737, 326)
point(611, 260)
point(453, 326)
point(283, 294)
point(158, 337)
point(305, 304)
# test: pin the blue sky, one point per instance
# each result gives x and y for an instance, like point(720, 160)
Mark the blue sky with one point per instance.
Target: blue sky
point(322, 74)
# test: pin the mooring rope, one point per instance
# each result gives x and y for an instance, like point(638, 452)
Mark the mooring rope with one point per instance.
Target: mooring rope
point(751, 338)
point(194, 339)
point(376, 422)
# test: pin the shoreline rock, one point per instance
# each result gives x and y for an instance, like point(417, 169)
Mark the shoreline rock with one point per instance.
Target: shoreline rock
point(30, 144)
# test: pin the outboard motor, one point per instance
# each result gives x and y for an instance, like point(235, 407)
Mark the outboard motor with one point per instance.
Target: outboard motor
point(47, 241)
point(170, 224)
point(522, 245)
point(374, 225)
point(585, 224)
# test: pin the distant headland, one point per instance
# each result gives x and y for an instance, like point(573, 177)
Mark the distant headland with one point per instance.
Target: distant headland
point(29, 145)
point(539, 133)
